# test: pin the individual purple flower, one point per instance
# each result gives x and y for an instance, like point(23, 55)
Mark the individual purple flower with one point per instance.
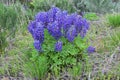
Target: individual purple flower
point(39, 32)
point(55, 30)
point(37, 45)
point(58, 46)
point(71, 33)
point(90, 49)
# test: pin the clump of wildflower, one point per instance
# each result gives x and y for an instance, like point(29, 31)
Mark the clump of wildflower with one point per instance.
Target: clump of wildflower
point(59, 24)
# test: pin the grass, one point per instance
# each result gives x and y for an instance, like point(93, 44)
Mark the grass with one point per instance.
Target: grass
point(18, 51)
point(91, 16)
point(114, 19)
point(113, 40)
point(105, 60)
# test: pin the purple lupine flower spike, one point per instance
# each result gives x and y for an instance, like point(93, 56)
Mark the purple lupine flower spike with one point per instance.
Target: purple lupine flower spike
point(41, 17)
point(60, 17)
point(71, 34)
point(58, 46)
point(83, 32)
point(37, 45)
point(39, 32)
point(78, 24)
point(90, 49)
point(52, 14)
point(31, 27)
point(55, 30)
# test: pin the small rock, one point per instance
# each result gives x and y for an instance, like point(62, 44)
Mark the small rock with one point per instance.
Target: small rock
point(5, 78)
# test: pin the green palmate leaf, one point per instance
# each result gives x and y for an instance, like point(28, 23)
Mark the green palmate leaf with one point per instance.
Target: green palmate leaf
point(58, 62)
point(48, 39)
point(48, 47)
point(70, 60)
point(71, 49)
point(34, 55)
point(81, 43)
point(64, 53)
point(55, 57)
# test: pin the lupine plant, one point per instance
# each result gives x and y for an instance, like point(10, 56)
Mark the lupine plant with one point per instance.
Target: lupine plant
point(59, 38)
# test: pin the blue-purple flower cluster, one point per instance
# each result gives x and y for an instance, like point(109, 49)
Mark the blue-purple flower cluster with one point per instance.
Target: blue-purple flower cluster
point(59, 24)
